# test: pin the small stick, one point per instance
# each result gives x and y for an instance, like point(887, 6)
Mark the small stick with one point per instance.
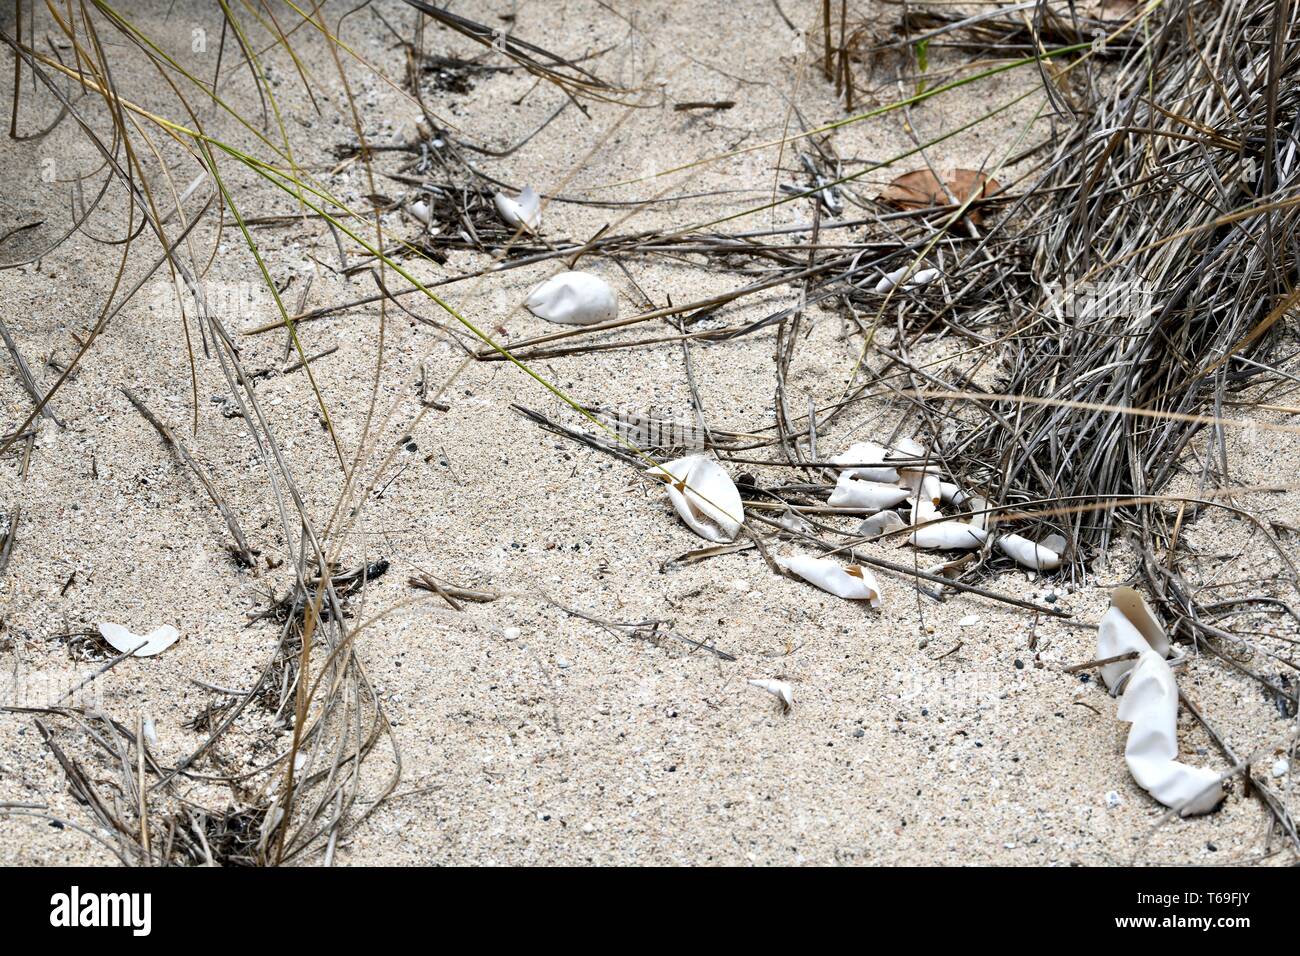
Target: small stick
point(143, 791)
point(242, 552)
point(450, 591)
point(302, 363)
point(704, 105)
point(10, 538)
point(427, 582)
point(826, 34)
point(1075, 668)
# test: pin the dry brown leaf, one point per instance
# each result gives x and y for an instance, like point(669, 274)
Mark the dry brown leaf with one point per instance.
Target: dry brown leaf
point(921, 189)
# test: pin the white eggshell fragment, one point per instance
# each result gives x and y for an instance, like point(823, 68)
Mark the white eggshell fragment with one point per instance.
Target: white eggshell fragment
point(1128, 626)
point(851, 582)
point(526, 211)
point(951, 494)
point(1150, 704)
point(891, 279)
point(779, 689)
point(704, 495)
point(865, 495)
point(910, 449)
point(123, 640)
point(881, 522)
point(923, 486)
point(866, 453)
point(923, 509)
point(1036, 557)
point(574, 298)
point(923, 278)
point(948, 536)
point(420, 210)
point(793, 522)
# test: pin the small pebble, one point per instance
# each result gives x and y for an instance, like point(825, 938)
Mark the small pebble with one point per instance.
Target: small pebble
point(511, 633)
point(1113, 799)
point(1280, 767)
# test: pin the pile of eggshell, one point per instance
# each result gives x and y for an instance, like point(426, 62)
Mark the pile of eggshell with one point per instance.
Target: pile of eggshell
point(875, 480)
point(872, 479)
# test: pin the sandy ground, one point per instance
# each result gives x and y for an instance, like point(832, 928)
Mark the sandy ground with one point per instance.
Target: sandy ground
point(922, 733)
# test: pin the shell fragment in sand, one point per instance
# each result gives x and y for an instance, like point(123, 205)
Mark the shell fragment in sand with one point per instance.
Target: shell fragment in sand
point(779, 689)
point(851, 582)
point(867, 453)
point(891, 279)
point(923, 509)
point(951, 494)
point(948, 536)
point(146, 645)
point(1150, 705)
point(908, 448)
point(794, 522)
point(526, 211)
point(881, 522)
point(923, 486)
point(574, 298)
point(865, 495)
point(1045, 556)
point(704, 495)
point(919, 279)
point(1127, 627)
